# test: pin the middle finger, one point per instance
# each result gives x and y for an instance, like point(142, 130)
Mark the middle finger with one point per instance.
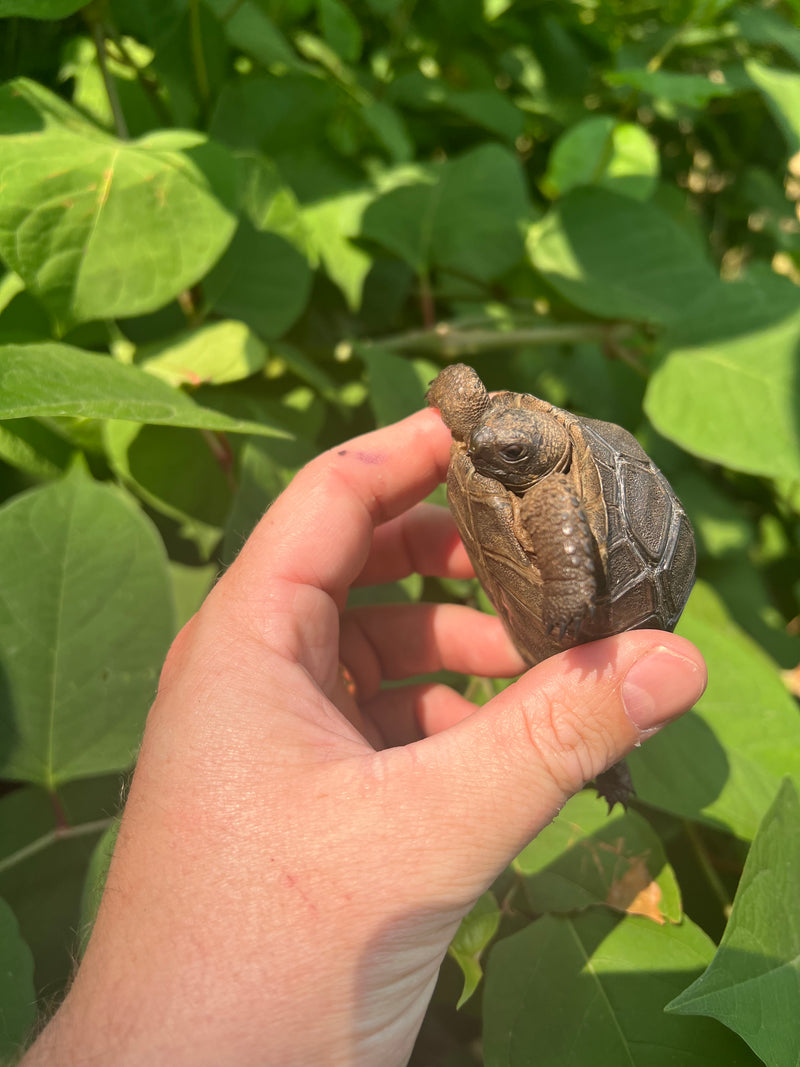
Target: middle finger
point(396, 641)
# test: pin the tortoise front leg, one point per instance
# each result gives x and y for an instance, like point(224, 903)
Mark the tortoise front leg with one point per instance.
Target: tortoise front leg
point(556, 532)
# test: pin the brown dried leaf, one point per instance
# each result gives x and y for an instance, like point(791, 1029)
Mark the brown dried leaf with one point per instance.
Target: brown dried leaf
point(636, 892)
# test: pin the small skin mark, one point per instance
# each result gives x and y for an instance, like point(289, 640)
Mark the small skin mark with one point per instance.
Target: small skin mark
point(289, 881)
point(372, 458)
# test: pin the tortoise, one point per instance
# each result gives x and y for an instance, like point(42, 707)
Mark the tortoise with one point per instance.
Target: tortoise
point(573, 531)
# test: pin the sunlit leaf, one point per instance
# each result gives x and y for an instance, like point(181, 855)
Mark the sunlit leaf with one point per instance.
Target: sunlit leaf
point(592, 988)
point(618, 258)
point(587, 856)
point(75, 198)
point(86, 629)
point(728, 388)
point(781, 89)
point(56, 379)
point(620, 156)
point(17, 994)
point(723, 762)
point(753, 981)
point(476, 931)
point(217, 353)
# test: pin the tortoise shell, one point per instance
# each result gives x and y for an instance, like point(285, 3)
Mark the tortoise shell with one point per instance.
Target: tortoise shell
point(579, 538)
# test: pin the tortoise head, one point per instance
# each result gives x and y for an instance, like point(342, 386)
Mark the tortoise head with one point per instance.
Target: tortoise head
point(518, 446)
point(461, 398)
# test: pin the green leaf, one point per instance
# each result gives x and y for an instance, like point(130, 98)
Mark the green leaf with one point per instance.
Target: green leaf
point(591, 989)
point(466, 215)
point(84, 626)
point(618, 258)
point(17, 993)
point(781, 90)
point(266, 468)
point(332, 224)
point(190, 586)
point(263, 280)
point(178, 472)
point(213, 354)
point(33, 448)
point(11, 285)
point(248, 27)
point(762, 26)
point(340, 29)
point(56, 379)
point(728, 389)
point(493, 9)
point(95, 883)
point(473, 935)
point(269, 203)
point(80, 65)
point(73, 198)
point(753, 984)
point(722, 763)
point(488, 108)
point(601, 151)
point(39, 9)
point(687, 90)
point(587, 856)
point(23, 317)
point(42, 872)
point(388, 126)
point(383, 7)
point(276, 115)
point(395, 388)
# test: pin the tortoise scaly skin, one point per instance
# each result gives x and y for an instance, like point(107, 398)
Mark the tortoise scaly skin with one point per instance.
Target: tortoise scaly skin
point(573, 531)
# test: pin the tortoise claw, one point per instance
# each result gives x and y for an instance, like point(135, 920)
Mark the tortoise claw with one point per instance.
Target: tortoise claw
point(615, 786)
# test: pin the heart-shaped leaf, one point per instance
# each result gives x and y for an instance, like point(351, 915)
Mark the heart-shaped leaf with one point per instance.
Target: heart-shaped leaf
point(752, 985)
point(86, 629)
point(98, 227)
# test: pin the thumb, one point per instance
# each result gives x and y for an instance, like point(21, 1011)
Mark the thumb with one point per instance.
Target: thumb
point(503, 773)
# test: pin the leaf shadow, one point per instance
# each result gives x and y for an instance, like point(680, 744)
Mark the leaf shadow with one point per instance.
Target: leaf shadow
point(9, 734)
point(17, 115)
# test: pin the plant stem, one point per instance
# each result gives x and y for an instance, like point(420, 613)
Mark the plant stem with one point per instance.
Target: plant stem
point(703, 858)
point(445, 340)
point(148, 83)
point(427, 305)
point(198, 57)
point(61, 833)
point(222, 452)
point(98, 33)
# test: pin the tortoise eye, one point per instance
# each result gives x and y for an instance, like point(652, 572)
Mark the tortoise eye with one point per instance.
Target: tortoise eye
point(513, 452)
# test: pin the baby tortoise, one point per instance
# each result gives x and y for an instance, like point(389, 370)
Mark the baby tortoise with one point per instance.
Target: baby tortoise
point(573, 531)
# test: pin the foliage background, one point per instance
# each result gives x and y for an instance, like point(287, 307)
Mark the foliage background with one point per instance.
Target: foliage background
point(236, 232)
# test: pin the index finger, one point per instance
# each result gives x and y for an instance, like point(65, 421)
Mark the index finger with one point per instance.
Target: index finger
point(319, 531)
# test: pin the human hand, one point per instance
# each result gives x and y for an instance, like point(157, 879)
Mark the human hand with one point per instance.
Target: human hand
point(293, 861)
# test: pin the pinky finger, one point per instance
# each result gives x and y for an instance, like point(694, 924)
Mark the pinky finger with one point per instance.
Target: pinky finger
point(407, 713)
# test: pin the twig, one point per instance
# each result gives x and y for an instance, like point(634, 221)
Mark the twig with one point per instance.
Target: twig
point(427, 305)
point(446, 340)
point(198, 57)
point(98, 33)
point(61, 833)
point(146, 80)
point(221, 450)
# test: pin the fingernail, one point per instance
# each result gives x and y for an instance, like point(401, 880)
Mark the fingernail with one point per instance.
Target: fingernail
point(660, 686)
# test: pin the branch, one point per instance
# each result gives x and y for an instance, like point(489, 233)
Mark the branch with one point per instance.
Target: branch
point(98, 34)
point(450, 341)
point(60, 833)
